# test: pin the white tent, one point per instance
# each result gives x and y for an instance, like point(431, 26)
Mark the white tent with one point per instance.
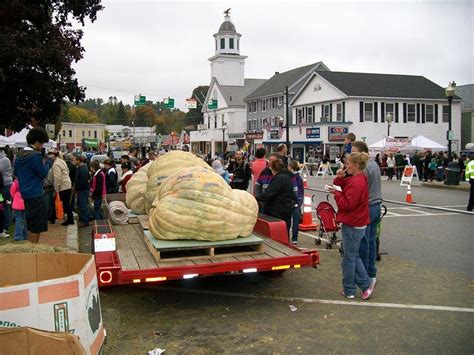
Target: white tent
point(421, 142)
point(5, 141)
point(414, 143)
point(19, 139)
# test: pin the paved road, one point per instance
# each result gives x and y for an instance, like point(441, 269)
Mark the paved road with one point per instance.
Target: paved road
point(423, 303)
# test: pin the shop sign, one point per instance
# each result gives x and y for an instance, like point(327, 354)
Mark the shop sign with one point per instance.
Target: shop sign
point(313, 132)
point(274, 134)
point(254, 136)
point(236, 135)
point(397, 142)
point(337, 134)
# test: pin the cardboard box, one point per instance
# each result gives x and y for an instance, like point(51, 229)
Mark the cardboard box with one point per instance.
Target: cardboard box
point(56, 292)
point(19, 341)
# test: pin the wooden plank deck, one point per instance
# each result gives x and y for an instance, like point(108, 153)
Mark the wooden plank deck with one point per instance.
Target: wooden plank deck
point(135, 255)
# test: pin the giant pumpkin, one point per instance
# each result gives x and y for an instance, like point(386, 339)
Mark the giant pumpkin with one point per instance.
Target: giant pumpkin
point(196, 203)
point(136, 188)
point(165, 166)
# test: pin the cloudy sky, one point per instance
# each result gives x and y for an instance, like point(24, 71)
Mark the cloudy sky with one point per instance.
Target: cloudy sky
point(160, 48)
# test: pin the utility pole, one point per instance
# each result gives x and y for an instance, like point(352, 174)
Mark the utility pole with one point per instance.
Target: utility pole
point(287, 120)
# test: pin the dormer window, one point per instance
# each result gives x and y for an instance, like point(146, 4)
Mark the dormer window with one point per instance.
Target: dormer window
point(231, 43)
point(222, 43)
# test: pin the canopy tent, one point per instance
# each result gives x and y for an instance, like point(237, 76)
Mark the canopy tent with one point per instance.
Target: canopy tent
point(413, 143)
point(5, 141)
point(19, 139)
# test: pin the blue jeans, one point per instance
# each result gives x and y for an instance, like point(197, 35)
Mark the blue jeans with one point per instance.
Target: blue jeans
point(296, 223)
point(20, 225)
point(353, 271)
point(368, 244)
point(82, 199)
point(97, 210)
point(7, 213)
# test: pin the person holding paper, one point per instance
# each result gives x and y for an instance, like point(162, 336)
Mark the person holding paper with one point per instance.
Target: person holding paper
point(353, 213)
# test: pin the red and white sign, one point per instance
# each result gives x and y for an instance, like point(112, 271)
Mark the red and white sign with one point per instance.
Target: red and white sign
point(191, 103)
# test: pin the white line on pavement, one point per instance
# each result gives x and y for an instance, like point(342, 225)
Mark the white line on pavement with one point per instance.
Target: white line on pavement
point(320, 301)
point(421, 215)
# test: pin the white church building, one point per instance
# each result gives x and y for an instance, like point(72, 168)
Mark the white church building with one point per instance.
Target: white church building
point(225, 114)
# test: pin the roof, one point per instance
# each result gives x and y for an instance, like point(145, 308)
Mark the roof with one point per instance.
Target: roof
point(238, 93)
point(385, 85)
point(466, 92)
point(227, 26)
point(277, 83)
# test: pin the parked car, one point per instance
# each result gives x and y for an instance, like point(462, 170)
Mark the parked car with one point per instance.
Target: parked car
point(100, 158)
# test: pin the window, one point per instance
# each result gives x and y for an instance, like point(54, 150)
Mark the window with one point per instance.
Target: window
point(368, 111)
point(411, 112)
point(208, 122)
point(429, 113)
point(238, 43)
point(95, 134)
point(249, 107)
point(275, 121)
point(83, 133)
point(390, 109)
point(88, 133)
point(222, 43)
point(255, 124)
point(310, 117)
point(254, 106)
point(64, 133)
point(280, 101)
point(339, 113)
point(215, 121)
point(445, 113)
point(70, 133)
point(299, 115)
point(231, 43)
point(216, 44)
point(249, 125)
point(264, 105)
point(274, 103)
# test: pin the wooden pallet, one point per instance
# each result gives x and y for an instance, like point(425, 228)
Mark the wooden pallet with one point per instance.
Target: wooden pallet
point(173, 250)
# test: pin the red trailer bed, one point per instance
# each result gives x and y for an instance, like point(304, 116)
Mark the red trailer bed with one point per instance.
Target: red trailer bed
point(122, 256)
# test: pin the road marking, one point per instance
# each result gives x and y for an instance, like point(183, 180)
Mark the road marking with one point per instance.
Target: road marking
point(322, 301)
point(422, 215)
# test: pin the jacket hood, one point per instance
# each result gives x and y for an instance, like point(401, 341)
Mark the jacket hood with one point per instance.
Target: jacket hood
point(25, 154)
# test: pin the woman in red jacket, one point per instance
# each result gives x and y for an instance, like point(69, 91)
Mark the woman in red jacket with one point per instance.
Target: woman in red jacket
point(353, 213)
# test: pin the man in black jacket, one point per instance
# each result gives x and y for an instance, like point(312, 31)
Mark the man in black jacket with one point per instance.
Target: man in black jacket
point(82, 188)
point(241, 170)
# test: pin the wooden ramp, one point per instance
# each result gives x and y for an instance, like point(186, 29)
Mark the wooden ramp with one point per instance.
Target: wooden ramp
point(172, 250)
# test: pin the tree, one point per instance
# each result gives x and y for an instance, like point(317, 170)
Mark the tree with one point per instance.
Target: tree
point(121, 114)
point(81, 115)
point(195, 116)
point(144, 116)
point(39, 42)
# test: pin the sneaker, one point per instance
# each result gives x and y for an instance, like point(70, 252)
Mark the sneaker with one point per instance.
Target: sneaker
point(4, 235)
point(373, 282)
point(367, 293)
point(351, 297)
point(294, 242)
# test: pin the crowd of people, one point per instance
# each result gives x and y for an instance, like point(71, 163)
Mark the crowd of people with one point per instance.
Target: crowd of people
point(32, 181)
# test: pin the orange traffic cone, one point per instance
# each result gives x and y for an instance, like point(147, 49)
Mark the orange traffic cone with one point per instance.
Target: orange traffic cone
point(307, 223)
point(409, 197)
point(305, 181)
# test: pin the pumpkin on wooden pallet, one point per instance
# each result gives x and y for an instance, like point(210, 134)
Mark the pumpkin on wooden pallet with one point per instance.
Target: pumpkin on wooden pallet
point(196, 203)
point(136, 189)
point(167, 165)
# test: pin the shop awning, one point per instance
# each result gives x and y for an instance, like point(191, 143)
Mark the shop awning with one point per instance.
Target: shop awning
point(91, 142)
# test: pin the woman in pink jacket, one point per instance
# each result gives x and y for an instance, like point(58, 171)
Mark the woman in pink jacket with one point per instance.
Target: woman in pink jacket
point(19, 211)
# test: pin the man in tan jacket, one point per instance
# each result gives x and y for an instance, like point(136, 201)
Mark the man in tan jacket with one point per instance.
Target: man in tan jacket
point(62, 185)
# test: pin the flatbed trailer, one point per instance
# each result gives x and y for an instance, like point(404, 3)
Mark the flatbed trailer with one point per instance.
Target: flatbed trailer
point(122, 256)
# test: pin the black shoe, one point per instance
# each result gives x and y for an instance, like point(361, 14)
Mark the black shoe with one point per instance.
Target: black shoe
point(67, 223)
point(469, 208)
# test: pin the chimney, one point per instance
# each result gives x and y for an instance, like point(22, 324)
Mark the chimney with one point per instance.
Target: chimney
point(277, 72)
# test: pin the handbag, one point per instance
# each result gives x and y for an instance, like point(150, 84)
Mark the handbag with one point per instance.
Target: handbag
point(59, 207)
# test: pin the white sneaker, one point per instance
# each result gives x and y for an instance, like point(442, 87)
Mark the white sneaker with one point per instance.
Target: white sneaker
point(373, 281)
point(4, 235)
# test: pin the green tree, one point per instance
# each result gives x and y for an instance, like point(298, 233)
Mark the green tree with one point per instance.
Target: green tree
point(81, 115)
point(144, 116)
point(195, 116)
point(121, 114)
point(39, 42)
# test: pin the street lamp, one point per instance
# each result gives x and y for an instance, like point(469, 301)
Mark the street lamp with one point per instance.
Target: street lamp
point(449, 94)
point(389, 120)
point(224, 126)
point(173, 133)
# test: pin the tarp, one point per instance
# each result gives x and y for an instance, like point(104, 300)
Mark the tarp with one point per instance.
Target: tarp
point(5, 141)
point(422, 142)
point(19, 139)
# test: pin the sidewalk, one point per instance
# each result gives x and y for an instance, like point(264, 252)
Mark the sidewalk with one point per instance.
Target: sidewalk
point(463, 185)
point(56, 236)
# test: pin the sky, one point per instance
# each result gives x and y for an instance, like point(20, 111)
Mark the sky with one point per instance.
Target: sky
point(161, 48)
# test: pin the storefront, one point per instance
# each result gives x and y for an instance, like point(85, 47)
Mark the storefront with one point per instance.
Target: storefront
point(336, 137)
point(254, 140)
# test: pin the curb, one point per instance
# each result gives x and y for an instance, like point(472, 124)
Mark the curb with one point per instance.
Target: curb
point(72, 237)
point(449, 187)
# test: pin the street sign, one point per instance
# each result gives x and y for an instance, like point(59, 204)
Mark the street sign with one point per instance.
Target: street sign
point(168, 102)
point(212, 105)
point(191, 103)
point(139, 100)
point(51, 130)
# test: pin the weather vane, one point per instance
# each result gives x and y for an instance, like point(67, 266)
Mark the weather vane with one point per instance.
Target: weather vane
point(227, 12)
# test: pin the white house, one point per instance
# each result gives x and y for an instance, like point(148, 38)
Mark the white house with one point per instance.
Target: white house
point(331, 104)
point(223, 108)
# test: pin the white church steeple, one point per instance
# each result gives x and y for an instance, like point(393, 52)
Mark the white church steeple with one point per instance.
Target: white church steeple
point(227, 65)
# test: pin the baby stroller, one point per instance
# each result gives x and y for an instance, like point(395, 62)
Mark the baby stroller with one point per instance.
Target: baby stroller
point(327, 223)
